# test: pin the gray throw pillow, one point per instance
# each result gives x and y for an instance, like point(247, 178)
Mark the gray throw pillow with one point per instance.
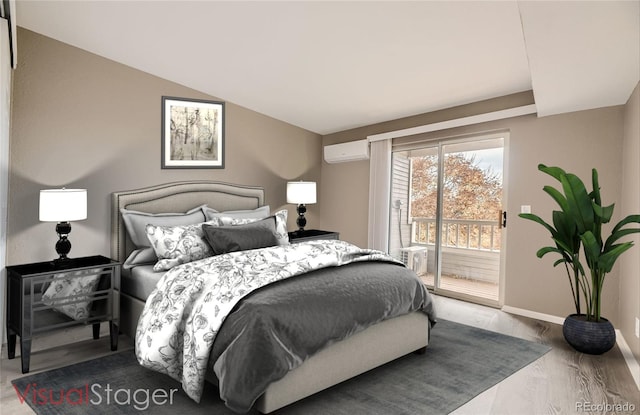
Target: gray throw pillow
point(254, 235)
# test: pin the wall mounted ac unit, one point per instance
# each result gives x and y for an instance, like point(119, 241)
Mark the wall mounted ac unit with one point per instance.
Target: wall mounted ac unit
point(351, 151)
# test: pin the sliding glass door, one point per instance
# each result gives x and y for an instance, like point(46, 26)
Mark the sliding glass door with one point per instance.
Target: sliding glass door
point(447, 215)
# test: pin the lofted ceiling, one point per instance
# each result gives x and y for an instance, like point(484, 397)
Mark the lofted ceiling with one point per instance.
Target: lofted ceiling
point(329, 66)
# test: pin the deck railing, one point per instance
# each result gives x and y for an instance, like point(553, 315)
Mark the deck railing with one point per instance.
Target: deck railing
point(482, 235)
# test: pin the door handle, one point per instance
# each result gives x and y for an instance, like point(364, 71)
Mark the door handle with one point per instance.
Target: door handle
point(502, 219)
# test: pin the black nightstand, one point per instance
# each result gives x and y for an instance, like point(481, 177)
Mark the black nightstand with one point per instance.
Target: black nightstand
point(28, 313)
point(311, 235)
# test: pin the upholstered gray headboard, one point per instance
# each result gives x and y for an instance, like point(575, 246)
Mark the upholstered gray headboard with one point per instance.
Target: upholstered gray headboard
point(176, 197)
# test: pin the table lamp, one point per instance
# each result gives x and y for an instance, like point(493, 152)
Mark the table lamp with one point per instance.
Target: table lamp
point(301, 193)
point(62, 206)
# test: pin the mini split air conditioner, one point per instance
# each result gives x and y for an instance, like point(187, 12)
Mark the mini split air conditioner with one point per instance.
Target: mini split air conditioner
point(415, 258)
point(351, 151)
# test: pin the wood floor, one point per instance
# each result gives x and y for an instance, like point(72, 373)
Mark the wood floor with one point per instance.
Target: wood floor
point(558, 383)
point(465, 286)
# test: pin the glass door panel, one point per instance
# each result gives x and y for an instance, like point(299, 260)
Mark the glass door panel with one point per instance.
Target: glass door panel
point(446, 207)
point(412, 237)
point(471, 219)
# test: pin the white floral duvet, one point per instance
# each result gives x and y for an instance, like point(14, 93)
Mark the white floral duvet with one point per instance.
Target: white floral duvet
point(183, 314)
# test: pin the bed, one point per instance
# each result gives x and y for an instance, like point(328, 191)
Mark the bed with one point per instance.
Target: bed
point(339, 360)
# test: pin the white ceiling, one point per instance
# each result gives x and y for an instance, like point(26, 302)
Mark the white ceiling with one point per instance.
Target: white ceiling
point(330, 66)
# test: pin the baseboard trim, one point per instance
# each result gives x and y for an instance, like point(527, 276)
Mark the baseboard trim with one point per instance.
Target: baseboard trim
point(631, 361)
point(629, 358)
point(533, 314)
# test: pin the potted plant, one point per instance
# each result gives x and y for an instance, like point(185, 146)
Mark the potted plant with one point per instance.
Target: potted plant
point(578, 224)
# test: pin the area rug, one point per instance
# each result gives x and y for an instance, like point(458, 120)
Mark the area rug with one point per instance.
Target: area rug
point(460, 363)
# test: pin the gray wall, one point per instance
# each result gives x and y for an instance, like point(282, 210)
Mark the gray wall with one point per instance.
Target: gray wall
point(576, 141)
point(630, 204)
point(5, 107)
point(79, 120)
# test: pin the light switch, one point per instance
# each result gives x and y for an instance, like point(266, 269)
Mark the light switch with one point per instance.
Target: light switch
point(525, 209)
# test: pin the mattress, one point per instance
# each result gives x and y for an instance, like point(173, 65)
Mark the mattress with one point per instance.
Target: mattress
point(139, 281)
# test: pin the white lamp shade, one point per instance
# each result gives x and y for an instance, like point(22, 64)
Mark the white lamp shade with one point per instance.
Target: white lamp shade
point(301, 193)
point(63, 205)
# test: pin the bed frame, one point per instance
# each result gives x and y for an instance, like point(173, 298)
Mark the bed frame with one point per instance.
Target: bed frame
point(342, 360)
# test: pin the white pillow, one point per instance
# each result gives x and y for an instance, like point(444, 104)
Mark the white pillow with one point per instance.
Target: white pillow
point(135, 222)
point(141, 256)
point(281, 227)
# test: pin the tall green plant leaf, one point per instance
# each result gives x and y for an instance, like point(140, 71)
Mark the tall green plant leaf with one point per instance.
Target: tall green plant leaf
point(578, 201)
point(566, 231)
point(609, 258)
point(604, 213)
point(595, 194)
point(555, 172)
point(618, 232)
point(537, 219)
point(600, 216)
point(591, 248)
point(548, 249)
point(558, 197)
point(629, 219)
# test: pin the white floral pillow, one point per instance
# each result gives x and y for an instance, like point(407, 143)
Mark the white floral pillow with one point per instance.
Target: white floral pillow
point(281, 227)
point(175, 245)
point(77, 284)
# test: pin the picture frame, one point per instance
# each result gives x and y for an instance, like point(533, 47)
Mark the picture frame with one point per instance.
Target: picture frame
point(192, 133)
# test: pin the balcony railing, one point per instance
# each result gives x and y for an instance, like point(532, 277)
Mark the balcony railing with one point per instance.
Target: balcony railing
point(481, 235)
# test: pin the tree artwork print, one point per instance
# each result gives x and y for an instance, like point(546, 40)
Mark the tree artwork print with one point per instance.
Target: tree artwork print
point(192, 133)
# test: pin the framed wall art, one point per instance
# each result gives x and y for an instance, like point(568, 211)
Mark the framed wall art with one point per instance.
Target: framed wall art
point(192, 134)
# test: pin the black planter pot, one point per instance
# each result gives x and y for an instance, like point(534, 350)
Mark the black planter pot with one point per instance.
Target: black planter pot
point(589, 336)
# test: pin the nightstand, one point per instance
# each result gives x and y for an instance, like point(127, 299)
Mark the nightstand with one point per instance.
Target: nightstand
point(311, 235)
point(38, 300)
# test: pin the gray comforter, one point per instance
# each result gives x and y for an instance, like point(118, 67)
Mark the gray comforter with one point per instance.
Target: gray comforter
point(277, 327)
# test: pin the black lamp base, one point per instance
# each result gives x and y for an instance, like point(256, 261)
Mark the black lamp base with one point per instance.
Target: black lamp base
point(301, 221)
point(63, 246)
